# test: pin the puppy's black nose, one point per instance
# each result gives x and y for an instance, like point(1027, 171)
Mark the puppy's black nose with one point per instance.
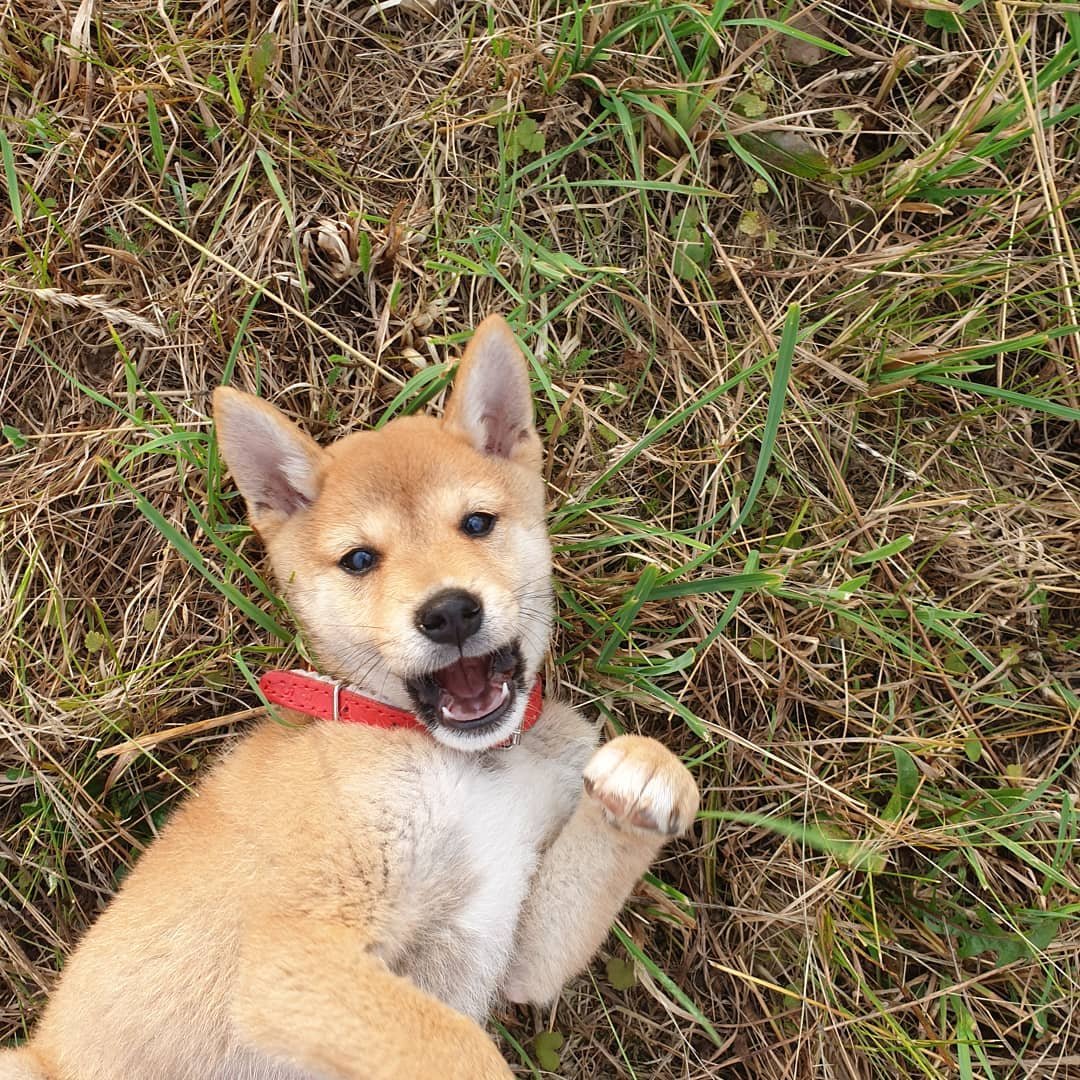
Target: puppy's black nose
point(450, 617)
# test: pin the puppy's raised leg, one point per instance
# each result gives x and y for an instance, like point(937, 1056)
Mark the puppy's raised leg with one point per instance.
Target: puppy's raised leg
point(308, 993)
point(637, 796)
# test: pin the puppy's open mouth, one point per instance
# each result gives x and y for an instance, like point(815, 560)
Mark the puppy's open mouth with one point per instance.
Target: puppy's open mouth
point(472, 693)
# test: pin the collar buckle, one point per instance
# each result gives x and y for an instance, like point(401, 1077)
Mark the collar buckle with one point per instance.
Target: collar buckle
point(509, 742)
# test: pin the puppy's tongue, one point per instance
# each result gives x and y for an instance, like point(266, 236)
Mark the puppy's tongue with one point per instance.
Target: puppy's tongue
point(469, 689)
point(466, 678)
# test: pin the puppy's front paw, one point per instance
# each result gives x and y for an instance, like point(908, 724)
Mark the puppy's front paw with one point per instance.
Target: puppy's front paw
point(641, 784)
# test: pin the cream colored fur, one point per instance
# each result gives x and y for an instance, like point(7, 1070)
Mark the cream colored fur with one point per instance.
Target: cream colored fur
point(337, 901)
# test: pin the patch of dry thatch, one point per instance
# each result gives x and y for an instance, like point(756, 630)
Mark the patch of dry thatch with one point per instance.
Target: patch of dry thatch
point(320, 202)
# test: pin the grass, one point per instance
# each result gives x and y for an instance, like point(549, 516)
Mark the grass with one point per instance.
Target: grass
point(799, 286)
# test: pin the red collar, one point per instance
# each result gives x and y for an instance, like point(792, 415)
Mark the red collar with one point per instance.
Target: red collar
point(318, 696)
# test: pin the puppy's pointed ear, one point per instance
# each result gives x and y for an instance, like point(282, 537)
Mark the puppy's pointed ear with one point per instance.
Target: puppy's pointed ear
point(492, 402)
point(276, 466)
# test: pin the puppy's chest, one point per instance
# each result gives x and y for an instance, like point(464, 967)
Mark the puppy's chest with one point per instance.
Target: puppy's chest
point(471, 841)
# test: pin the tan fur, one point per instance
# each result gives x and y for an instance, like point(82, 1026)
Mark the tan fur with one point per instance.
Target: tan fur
point(340, 901)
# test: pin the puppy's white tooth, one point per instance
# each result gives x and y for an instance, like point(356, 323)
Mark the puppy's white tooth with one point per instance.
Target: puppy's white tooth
point(505, 693)
point(447, 714)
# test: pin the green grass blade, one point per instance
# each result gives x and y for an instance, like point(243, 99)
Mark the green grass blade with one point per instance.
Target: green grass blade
point(901, 543)
point(785, 355)
point(11, 178)
point(157, 144)
point(792, 32)
point(668, 984)
point(194, 557)
point(747, 582)
point(846, 852)
point(1025, 401)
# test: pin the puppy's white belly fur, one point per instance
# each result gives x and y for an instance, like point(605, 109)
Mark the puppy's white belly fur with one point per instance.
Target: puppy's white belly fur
point(251, 1065)
point(478, 828)
point(477, 831)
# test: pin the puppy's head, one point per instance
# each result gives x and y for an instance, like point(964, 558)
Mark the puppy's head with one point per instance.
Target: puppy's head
point(416, 556)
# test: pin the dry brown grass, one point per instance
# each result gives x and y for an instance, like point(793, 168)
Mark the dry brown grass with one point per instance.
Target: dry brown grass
point(318, 202)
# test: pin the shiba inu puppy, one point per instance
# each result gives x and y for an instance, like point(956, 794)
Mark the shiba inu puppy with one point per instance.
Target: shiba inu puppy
point(347, 899)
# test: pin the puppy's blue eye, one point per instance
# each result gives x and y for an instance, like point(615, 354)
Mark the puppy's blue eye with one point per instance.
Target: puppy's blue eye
point(477, 524)
point(358, 561)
